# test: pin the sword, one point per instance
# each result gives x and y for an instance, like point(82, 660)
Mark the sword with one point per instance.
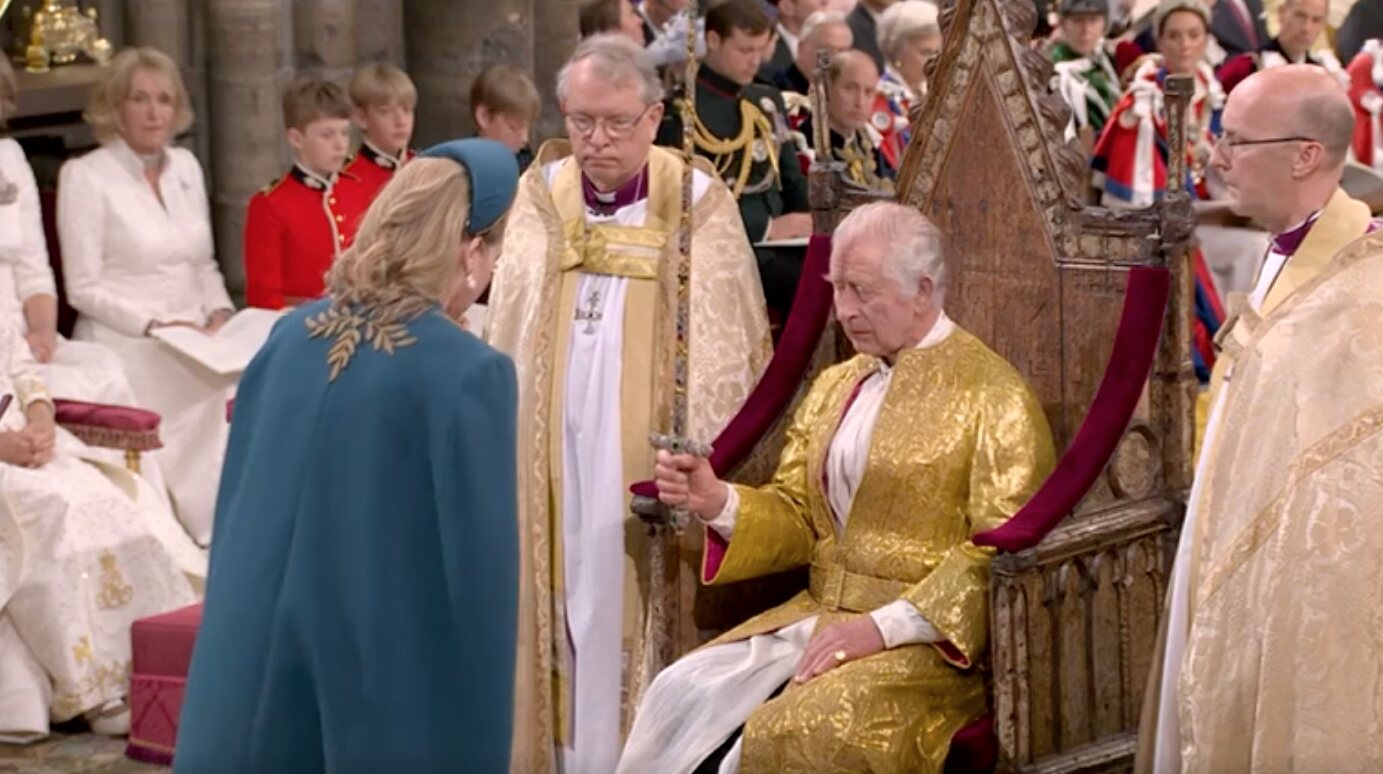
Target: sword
point(665, 524)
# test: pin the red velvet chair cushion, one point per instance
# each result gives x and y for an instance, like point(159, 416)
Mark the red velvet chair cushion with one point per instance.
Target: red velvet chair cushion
point(118, 427)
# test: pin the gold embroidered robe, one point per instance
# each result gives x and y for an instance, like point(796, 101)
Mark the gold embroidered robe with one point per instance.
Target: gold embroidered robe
point(959, 445)
point(1282, 671)
point(548, 244)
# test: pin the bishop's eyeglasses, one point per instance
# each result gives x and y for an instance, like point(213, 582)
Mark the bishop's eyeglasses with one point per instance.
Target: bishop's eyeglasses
point(1228, 145)
point(616, 127)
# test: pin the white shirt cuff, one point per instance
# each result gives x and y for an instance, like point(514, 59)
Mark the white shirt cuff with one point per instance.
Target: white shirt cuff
point(901, 624)
point(724, 522)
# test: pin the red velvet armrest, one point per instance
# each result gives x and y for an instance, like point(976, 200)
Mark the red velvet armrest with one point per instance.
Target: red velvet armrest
point(1127, 370)
point(110, 427)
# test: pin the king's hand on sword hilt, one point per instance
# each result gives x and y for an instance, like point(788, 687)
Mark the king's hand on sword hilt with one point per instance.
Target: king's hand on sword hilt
point(654, 514)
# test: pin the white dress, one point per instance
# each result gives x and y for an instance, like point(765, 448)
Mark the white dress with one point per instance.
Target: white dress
point(129, 260)
point(85, 550)
point(79, 370)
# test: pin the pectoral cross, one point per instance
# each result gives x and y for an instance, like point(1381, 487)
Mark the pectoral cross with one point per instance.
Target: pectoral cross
point(591, 314)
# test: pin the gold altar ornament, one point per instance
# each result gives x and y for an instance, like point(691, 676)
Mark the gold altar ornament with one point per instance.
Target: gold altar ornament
point(59, 31)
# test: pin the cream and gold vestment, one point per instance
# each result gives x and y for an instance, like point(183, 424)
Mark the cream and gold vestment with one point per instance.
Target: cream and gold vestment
point(1342, 221)
point(1282, 669)
point(550, 244)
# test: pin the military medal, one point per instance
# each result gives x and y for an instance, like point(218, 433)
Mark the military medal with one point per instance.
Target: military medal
point(760, 150)
point(881, 121)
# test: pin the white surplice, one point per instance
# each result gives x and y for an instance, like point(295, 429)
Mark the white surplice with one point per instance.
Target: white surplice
point(129, 260)
point(693, 706)
point(593, 505)
point(86, 548)
point(1167, 753)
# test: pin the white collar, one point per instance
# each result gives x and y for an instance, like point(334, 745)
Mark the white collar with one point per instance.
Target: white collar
point(941, 330)
point(787, 37)
point(313, 179)
point(131, 161)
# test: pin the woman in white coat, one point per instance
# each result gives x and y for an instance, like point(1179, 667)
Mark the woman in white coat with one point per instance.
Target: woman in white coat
point(135, 229)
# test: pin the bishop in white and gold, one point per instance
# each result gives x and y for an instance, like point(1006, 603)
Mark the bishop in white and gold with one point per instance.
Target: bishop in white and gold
point(584, 301)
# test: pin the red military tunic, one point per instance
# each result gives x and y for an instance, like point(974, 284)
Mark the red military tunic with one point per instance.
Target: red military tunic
point(294, 229)
point(373, 167)
point(1366, 92)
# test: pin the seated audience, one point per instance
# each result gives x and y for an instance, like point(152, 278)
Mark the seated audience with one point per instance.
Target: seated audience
point(822, 31)
point(77, 370)
point(852, 84)
point(600, 16)
point(1300, 23)
point(1366, 92)
point(135, 230)
point(791, 15)
point(85, 550)
point(1086, 76)
point(910, 37)
point(384, 100)
point(297, 226)
point(504, 105)
point(1130, 164)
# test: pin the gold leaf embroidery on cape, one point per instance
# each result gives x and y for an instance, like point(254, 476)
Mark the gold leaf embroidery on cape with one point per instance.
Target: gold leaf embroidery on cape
point(384, 328)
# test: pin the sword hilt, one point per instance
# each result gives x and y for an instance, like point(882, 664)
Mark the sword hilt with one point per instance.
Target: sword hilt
point(653, 513)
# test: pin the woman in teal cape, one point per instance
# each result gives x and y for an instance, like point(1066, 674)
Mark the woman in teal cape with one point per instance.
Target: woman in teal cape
point(361, 607)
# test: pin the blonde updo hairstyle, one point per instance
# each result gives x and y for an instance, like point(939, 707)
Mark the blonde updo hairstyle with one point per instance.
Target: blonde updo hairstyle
point(406, 246)
point(103, 110)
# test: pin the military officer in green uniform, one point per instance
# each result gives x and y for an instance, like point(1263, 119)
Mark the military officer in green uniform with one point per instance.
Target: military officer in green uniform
point(741, 127)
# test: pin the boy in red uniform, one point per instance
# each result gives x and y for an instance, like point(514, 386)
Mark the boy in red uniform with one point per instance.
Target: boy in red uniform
point(384, 99)
point(297, 226)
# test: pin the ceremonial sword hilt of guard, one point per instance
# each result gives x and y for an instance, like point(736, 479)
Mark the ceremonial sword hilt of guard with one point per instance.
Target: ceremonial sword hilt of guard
point(652, 512)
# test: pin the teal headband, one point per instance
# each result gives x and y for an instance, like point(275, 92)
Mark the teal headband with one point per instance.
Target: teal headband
point(494, 176)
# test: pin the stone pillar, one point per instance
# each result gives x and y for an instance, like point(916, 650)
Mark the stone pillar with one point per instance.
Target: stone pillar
point(324, 39)
point(163, 24)
point(110, 16)
point(379, 31)
point(243, 42)
point(554, 40)
point(448, 44)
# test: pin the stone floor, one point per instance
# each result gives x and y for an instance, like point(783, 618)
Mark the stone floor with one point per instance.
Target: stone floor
point(71, 752)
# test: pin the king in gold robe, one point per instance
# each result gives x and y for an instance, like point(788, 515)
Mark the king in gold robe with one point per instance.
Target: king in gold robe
point(584, 301)
point(1281, 670)
point(888, 472)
